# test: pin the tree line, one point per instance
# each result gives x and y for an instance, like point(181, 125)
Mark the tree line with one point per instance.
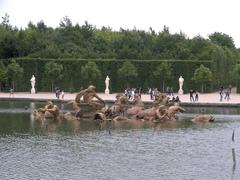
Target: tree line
point(77, 74)
point(88, 42)
point(74, 41)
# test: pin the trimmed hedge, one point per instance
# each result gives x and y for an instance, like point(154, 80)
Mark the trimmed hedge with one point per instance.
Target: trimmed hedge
point(72, 80)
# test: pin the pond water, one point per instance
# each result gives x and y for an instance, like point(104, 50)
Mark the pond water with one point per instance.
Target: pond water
point(180, 150)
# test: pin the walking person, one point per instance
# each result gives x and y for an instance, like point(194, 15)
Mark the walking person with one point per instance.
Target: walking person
point(129, 93)
point(62, 94)
point(230, 88)
point(11, 91)
point(221, 93)
point(196, 96)
point(150, 91)
point(57, 92)
point(227, 94)
point(191, 95)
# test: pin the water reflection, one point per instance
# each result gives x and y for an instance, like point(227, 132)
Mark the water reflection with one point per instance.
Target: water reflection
point(234, 161)
point(233, 155)
point(9, 106)
point(77, 126)
point(171, 150)
point(62, 106)
point(32, 106)
point(74, 126)
point(48, 126)
point(213, 110)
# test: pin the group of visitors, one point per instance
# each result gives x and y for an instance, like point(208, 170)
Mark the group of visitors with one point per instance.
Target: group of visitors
point(175, 99)
point(130, 92)
point(59, 93)
point(153, 92)
point(169, 91)
point(170, 95)
point(226, 91)
point(193, 95)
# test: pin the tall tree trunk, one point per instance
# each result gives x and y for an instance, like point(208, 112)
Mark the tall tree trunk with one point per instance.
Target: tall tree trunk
point(163, 88)
point(13, 85)
point(202, 88)
point(52, 86)
point(238, 87)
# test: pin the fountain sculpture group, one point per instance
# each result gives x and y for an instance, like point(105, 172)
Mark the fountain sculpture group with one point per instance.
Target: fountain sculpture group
point(162, 109)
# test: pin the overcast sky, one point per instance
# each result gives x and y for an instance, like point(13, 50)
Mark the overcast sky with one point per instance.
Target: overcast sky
point(192, 17)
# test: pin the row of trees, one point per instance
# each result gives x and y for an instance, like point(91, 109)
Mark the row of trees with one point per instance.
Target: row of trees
point(91, 73)
point(87, 42)
point(69, 41)
point(127, 74)
point(11, 73)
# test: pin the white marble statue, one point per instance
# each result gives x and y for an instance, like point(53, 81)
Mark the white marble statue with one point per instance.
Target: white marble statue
point(107, 85)
point(181, 80)
point(32, 80)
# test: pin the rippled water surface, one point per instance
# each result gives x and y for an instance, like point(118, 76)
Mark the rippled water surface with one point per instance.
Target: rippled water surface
point(182, 150)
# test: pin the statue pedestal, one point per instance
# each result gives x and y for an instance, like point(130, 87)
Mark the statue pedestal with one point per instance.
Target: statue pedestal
point(33, 91)
point(106, 91)
point(180, 91)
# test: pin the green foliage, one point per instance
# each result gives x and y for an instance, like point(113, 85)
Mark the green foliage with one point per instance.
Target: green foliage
point(199, 48)
point(236, 76)
point(73, 79)
point(87, 42)
point(163, 72)
point(222, 39)
point(14, 72)
point(3, 72)
point(66, 22)
point(54, 72)
point(8, 43)
point(127, 73)
point(5, 22)
point(90, 73)
point(202, 75)
point(236, 72)
point(223, 63)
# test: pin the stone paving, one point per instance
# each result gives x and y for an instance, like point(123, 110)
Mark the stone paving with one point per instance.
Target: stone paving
point(203, 98)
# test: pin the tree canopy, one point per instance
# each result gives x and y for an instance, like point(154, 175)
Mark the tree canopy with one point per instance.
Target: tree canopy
point(202, 75)
point(70, 40)
point(3, 72)
point(164, 73)
point(14, 72)
point(90, 72)
point(54, 72)
point(127, 73)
